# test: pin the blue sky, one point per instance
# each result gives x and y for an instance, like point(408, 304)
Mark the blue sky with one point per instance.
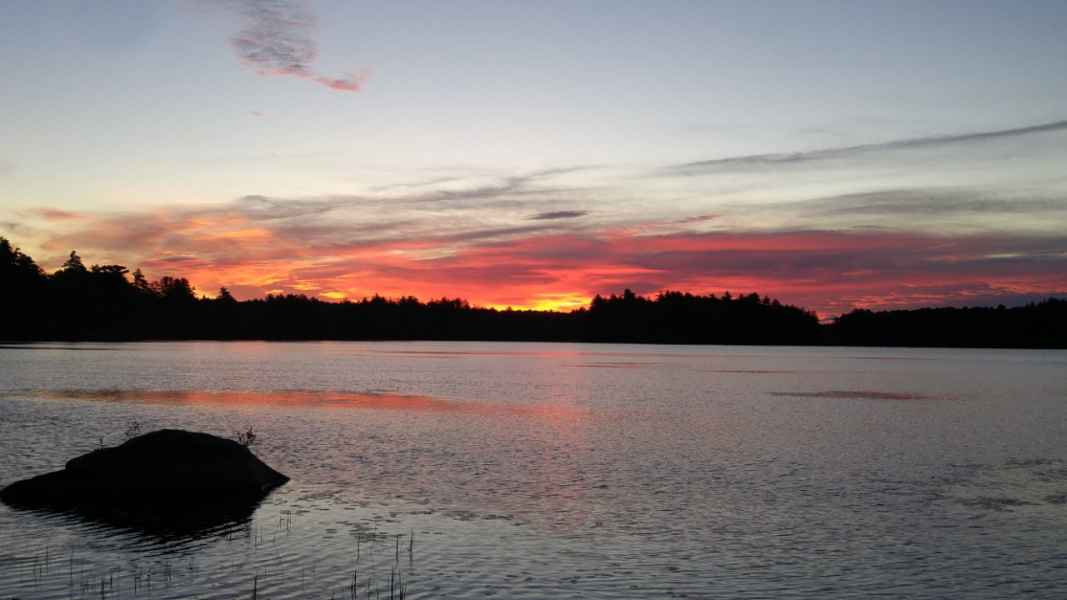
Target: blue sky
point(419, 120)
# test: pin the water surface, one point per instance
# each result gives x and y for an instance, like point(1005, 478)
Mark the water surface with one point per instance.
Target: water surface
point(533, 470)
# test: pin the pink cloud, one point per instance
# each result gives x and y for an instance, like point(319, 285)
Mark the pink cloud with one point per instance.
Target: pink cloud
point(828, 271)
point(349, 83)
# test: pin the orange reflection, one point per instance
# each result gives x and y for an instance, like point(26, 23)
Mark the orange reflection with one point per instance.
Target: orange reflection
point(319, 399)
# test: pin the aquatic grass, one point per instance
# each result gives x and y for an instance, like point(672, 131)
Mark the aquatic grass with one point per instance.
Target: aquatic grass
point(138, 579)
point(246, 438)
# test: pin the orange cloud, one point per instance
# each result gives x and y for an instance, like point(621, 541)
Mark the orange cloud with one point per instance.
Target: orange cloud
point(561, 266)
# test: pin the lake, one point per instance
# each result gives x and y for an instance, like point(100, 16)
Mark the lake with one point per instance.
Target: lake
point(526, 470)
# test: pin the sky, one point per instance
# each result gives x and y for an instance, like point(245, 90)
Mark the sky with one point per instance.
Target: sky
point(829, 154)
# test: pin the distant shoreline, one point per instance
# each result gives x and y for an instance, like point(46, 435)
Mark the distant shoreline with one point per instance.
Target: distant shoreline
point(108, 303)
point(13, 344)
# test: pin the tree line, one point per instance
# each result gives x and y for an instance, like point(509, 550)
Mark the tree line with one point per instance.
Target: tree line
point(108, 302)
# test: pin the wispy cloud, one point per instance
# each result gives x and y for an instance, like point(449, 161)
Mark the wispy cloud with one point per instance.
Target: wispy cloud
point(699, 167)
point(938, 202)
point(928, 209)
point(559, 214)
point(54, 214)
point(432, 181)
point(16, 228)
point(696, 219)
point(278, 38)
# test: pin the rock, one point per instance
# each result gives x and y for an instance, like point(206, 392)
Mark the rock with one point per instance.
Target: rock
point(167, 479)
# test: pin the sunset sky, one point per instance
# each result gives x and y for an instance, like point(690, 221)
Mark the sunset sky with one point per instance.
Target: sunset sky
point(533, 154)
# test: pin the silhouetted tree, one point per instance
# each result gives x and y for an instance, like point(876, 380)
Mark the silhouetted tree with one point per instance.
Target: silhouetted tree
point(1035, 325)
point(140, 283)
point(22, 293)
point(17, 267)
point(175, 290)
point(74, 263)
point(107, 302)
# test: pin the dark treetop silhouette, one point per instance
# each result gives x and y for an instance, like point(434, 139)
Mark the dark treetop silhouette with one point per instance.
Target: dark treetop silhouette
point(107, 302)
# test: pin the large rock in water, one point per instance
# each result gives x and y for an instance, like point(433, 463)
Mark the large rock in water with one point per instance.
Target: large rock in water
point(167, 479)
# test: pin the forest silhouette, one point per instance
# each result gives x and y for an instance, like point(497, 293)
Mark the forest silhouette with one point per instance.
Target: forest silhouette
point(108, 302)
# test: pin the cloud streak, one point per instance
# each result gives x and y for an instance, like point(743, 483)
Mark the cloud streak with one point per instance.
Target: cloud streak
point(931, 203)
point(54, 214)
point(278, 38)
point(559, 214)
point(784, 158)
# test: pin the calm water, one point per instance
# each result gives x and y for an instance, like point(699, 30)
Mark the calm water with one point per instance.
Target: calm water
point(555, 470)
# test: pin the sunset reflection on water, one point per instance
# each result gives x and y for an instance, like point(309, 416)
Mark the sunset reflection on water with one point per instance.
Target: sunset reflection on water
point(318, 399)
